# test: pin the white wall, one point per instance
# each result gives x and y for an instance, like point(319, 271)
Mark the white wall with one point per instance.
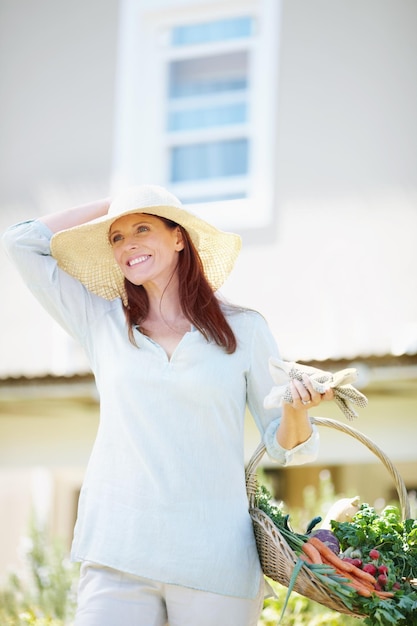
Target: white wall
point(56, 95)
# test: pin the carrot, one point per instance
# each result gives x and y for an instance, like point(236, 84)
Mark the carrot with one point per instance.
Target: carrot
point(384, 594)
point(312, 553)
point(364, 576)
point(361, 590)
point(332, 559)
point(341, 568)
point(351, 578)
point(305, 558)
point(353, 573)
point(362, 582)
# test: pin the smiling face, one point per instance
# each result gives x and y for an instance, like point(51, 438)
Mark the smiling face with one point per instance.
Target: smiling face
point(145, 248)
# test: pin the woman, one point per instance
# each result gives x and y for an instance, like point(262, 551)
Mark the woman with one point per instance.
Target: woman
point(163, 530)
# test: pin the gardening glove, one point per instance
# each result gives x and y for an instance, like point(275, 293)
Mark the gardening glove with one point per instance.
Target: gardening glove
point(283, 372)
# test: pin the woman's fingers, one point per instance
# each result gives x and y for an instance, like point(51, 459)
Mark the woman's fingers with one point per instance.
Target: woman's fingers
point(301, 395)
point(304, 395)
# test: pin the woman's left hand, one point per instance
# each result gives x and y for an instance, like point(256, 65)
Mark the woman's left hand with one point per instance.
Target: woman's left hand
point(295, 426)
point(304, 395)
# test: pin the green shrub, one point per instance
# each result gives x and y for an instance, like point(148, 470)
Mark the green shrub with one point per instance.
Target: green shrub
point(46, 595)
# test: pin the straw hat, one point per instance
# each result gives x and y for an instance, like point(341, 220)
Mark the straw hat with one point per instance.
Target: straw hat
point(84, 251)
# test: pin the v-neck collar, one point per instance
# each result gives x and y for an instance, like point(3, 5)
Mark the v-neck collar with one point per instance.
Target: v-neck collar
point(145, 338)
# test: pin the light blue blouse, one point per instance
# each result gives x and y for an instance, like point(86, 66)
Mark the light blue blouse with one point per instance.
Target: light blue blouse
point(164, 492)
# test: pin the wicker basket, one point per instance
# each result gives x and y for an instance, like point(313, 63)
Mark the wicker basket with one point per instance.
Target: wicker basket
point(276, 557)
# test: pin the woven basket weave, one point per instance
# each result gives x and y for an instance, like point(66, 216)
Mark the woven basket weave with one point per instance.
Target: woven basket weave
point(276, 557)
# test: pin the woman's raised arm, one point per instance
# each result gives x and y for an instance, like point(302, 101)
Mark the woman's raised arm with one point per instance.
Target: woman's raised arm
point(76, 215)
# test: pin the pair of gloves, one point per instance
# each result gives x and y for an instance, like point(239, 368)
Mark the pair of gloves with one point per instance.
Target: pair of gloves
point(283, 372)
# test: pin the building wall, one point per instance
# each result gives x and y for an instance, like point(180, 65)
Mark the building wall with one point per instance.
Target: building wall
point(57, 71)
point(332, 274)
point(346, 122)
point(57, 90)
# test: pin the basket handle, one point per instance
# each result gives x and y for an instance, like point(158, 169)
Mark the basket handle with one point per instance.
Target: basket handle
point(251, 483)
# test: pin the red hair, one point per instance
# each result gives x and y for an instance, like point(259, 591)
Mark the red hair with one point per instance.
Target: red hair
point(199, 303)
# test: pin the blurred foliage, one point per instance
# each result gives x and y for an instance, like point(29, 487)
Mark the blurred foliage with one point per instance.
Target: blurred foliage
point(45, 595)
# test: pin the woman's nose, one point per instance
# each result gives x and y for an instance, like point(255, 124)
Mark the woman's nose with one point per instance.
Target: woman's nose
point(130, 242)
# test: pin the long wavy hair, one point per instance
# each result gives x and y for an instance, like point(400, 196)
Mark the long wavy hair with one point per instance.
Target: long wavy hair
point(199, 303)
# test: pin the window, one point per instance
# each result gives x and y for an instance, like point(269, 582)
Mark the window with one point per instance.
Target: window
point(208, 109)
point(206, 130)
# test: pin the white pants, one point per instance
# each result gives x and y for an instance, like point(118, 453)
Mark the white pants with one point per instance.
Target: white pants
point(108, 597)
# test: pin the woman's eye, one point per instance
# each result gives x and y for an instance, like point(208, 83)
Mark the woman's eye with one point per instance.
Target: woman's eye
point(118, 237)
point(115, 238)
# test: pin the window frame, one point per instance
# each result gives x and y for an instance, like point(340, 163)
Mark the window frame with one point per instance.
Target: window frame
point(145, 52)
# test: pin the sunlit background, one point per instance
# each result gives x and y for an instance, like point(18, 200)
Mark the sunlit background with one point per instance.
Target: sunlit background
point(292, 122)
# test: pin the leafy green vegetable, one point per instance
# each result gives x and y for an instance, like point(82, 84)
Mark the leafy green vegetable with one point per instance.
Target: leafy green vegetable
point(275, 513)
point(294, 575)
point(325, 573)
point(383, 539)
point(396, 540)
point(395, 543)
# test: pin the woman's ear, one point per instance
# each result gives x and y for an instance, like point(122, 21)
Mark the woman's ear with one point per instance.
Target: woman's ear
point(179, 242)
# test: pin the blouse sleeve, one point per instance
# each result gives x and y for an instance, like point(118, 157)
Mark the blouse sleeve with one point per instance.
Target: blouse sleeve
point(259, 383)
point(62, 296)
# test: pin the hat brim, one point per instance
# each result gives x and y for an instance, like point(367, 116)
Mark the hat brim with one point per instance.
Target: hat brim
point(84, 251)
